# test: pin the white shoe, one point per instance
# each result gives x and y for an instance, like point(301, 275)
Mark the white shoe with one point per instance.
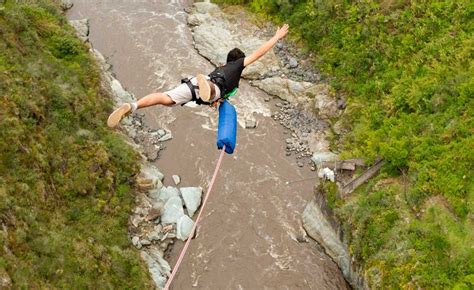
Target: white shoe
point(118, 114)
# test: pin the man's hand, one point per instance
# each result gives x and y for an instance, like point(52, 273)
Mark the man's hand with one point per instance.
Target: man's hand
point(282, 31)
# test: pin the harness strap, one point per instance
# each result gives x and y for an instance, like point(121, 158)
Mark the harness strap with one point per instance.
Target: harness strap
point(193, 88)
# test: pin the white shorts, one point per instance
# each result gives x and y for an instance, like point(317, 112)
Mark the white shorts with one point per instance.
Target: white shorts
point(182, 94)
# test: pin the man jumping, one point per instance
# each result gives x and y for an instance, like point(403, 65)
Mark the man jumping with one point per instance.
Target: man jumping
point(202, 89)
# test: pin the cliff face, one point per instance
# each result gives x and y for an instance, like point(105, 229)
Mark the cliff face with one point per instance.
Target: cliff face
point(320, 224)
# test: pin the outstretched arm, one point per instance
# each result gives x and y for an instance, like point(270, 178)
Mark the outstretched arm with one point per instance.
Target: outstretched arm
point(281, 32)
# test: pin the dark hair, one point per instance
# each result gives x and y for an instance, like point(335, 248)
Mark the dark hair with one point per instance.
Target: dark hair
point(235, 54)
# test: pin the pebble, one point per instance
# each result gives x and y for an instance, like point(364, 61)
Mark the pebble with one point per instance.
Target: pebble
point(145, 242)
point(300, 164)
point(267, 99)
point(136, 242)
point(293, 63)
point(176, 179)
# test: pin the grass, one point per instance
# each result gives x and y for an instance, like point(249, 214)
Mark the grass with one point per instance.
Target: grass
point(406, 69)
point(65, 180)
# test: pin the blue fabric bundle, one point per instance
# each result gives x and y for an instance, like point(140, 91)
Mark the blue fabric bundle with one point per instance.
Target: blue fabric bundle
point(227, 129)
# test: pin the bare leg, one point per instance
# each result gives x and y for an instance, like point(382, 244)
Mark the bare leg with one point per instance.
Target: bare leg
point(146, 101)
point(155, 99)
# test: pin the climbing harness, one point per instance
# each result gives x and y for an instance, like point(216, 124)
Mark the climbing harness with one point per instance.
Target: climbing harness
point(218, 78)
point(226, 141)
point(193, 88)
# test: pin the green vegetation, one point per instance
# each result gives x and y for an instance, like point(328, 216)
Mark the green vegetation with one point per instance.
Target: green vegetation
point(407, 71)
point(65, 191)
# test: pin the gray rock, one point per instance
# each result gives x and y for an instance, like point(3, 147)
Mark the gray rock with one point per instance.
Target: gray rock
point(300, 164)
point(317, 225)
point(82, 28)
point(145, 242)
point(150, 171)
point(66, 4)
point(192, 198)
point(156, 268)
point(267, 99)
point(293, 63)
point(173, 210)
point(168, 192)
point(176, 179)
point(166, 137)
point(184, 227)
point(205, 7)
point(151, 151)
point(136, 220)
point(156, 211)
point(161, 132)
point(279, 45)
point(324, 156)
point(136, 242)
point(250, 123)
point(156, 234)
point(105, 66)
point(120, 94)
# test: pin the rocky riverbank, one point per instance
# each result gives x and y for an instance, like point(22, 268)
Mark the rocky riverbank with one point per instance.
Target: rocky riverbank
point(163, 214)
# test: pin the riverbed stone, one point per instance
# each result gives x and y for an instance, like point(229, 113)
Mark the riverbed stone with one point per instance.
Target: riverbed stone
point(176, 179)
point(192, 198)
point(324, 156)
point(136, 242)
point(66, 4)
point(82, 28)
point(293, 63)
point(250, 123)
point(173, 210)
point(184, 227)
point(120, 94)
point(166, 137)
point(167, 192)
point(206, 7)
point(155, 269)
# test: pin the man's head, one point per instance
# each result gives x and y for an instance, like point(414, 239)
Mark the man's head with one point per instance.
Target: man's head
point(235, 54)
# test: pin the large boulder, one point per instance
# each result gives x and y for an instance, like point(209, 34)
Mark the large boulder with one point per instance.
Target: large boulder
point(82, 28)
point(173, 210)
point(205, 38)
point(158, 267)
point(192, 198)
point(66, 4)
point(315, 96)
point(168, 192)
point(211, 28)
point(183, 228)
point(206, 7)
point(324, 156)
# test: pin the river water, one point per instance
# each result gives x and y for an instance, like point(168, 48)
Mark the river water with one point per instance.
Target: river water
point(247, 236)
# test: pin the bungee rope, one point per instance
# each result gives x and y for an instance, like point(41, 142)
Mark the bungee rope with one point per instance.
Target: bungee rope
point(226, 141)
point(191, 234)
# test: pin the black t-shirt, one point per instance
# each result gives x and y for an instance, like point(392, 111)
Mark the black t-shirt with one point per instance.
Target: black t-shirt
point(232, 72)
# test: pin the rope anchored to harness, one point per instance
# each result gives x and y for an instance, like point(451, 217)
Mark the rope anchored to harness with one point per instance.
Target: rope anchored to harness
point(226, 140)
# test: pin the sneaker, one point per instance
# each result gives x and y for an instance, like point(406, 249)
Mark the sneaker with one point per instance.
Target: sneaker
point(118, 114)
point(204, 88)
